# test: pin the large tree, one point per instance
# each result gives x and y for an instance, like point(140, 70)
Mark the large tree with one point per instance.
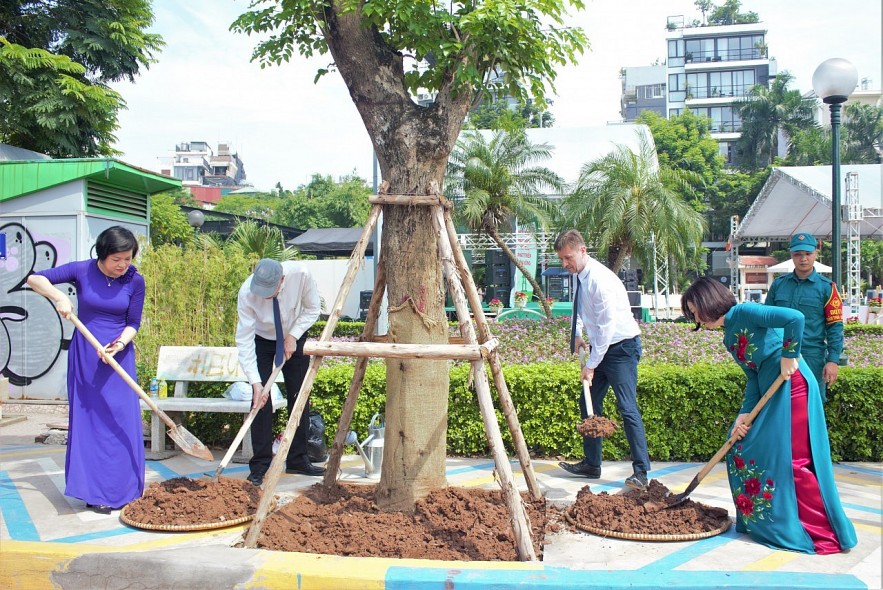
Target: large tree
point(386, 51)
point(766, 111)
point(625, 201)
point(324, 202)
point(499, 182)
point(56, 61)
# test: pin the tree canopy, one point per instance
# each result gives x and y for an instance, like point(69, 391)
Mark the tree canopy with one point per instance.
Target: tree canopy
point(56, 59)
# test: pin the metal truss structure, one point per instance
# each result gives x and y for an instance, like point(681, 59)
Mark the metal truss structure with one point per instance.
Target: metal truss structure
point(660, 279)
point(733, 260)
point(853, 217)
point(479, 243)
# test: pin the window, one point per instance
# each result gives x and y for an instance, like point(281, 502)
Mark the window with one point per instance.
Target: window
point(651, 91)
point(677, 87)
point(675, 53)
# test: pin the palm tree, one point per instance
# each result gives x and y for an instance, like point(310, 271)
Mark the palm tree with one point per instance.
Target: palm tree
point(625, 199)
point(251, 239)
point(765, 112)
point(499, 184)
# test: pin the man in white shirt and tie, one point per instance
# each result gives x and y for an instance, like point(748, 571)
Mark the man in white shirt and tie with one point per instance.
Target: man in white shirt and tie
point(277, 305)
point(601, 307)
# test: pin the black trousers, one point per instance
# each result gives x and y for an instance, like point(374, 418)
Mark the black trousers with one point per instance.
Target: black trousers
point(293, 371)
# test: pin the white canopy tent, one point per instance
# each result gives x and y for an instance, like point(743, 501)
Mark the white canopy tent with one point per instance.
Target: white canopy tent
point(788, 266)
point(798, 198)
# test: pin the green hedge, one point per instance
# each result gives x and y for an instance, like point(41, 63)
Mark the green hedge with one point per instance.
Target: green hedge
point(687, 411)
point(853, 329)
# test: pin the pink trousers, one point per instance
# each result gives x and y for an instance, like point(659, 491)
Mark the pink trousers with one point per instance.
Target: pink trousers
point(810, 508)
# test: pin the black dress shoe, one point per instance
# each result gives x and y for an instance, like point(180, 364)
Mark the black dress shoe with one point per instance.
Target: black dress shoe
point(255, 480)
point(307, 469)
point(582, 468)
point(99, 508)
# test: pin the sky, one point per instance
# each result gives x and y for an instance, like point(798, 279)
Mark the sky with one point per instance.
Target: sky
point(204, 86)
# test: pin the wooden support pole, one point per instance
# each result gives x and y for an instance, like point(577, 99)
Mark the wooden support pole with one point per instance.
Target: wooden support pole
point(484, 335)
point(410, 200)
point(349, 406)
point(272, 476)
point(393, 350)
point(520, 524)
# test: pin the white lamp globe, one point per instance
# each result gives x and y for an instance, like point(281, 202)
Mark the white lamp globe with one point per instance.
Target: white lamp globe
point(196, 218)
point(834, 80)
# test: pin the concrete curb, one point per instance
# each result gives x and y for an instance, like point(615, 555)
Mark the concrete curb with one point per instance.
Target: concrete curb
point(25, 565)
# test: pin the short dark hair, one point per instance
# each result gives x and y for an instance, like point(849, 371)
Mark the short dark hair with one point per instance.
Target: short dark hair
point(115, 239)
point(710, 299)
point(571, 238)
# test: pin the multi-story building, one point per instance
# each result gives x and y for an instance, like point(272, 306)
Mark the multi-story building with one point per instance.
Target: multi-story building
point(707, 69)
point(643, 89)
point(196, 164)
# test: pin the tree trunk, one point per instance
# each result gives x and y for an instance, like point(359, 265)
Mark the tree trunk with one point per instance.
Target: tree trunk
point(495, 236)
point(412, 144)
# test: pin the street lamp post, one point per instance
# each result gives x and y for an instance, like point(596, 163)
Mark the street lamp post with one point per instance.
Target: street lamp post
point(833, 82)
point(196, 218)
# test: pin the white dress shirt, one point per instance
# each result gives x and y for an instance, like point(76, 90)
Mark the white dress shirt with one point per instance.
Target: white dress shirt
point(604, 310)
point(299, 306)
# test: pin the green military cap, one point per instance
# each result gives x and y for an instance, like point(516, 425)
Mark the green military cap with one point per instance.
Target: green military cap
point(803, 241)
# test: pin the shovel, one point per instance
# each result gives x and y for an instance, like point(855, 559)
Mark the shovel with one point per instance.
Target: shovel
point(245, 424)
point(682, 497)
point(188, 443)
point(587, 389)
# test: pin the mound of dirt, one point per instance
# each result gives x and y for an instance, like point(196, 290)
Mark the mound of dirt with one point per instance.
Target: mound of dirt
point(181, 501)
point(638, 512)
point(596, 426)
point(451, 524)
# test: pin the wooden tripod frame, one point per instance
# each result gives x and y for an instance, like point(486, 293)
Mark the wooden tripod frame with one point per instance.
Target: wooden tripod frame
point(476, 348)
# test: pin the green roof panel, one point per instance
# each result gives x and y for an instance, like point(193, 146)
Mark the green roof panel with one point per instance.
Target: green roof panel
point(19, 178)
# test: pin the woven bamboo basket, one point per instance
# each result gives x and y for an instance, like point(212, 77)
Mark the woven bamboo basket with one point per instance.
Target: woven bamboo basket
point(181, 528)
point(648, 537)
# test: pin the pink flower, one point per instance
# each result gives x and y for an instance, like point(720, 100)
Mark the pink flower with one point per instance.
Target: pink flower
point(745, 504)
point(767, 496)
point(740, 464)
point(751, 462)
point(769, 482)
point(752, 486)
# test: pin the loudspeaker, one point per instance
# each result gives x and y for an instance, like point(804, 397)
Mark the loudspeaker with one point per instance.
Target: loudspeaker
point(500, 274)
point(501, 293)
point(496, 257)
point(638, 312)
point(365, 299)
point(634, 298)
point(629, 278)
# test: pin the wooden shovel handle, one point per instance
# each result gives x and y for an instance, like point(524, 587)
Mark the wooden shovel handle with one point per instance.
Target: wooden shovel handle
point(732, 440)
point(122, 373)
point(247, 422)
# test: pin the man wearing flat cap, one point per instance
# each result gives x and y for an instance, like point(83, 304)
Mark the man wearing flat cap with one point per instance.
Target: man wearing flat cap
point(277, 305)
point(816, 296)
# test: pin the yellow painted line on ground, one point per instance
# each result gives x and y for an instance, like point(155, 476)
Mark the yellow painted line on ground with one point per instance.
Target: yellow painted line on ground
point(25, 564)
point(12, 455)
point(319, 572)
point(486, 479)
point(771, 562)
point(708, 479)
point(868, 527)
point(175, 539)
point(870, 481)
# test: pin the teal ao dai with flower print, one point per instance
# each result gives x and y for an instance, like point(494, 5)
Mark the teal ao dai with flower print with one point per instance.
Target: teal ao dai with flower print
point(759, 468)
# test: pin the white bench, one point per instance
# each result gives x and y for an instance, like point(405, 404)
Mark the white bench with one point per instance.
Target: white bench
point(184, 365)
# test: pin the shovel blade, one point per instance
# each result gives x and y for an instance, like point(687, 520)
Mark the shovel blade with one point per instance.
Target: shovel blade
point(189, 443)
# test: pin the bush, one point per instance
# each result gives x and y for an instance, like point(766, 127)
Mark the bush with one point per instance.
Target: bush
point(854, 329)
point(687, 410)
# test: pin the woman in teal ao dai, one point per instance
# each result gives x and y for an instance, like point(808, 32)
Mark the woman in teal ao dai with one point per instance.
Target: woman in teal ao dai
point(780, 471)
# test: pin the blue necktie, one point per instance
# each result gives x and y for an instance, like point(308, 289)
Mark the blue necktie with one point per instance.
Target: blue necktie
point(573, 319)
point(280, 336)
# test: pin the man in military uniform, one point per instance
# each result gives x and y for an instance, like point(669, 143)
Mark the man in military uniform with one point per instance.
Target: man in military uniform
point(816, 296)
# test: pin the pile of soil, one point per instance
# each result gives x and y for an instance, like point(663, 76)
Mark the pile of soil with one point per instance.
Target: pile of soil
point(450, 524)
point(597, 426)
point(627, 513)
point(181, 501)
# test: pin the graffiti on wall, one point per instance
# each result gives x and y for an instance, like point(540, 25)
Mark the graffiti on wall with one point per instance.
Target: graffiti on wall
point(32, 334)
